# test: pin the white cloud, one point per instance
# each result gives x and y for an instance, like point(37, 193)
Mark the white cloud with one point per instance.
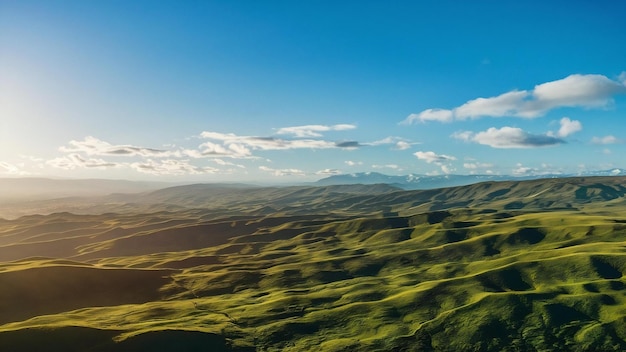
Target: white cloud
point(75, 160)
point(170, 167)
point(474, 166)
point(10, 169)
point(606, 151)
point(568, 127)
point(353, 163)
point(313, 130)
point(227, 163)
point(441, 115)
point(283, 172)
point(431, 157)
point(240, 146)
point(606, 140)
point(402, 145)
point(210, 149)
point(94, 146)
point(577, 90)
point(387, 166)
point(447, 169)
point(386, 140)
point(399, 142)
point(508, 137)
point(328, 172)
point(521, 170)
point(546, 169)
point(502, 105)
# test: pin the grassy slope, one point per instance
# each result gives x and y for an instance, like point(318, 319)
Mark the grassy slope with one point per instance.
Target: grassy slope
point(535, 265)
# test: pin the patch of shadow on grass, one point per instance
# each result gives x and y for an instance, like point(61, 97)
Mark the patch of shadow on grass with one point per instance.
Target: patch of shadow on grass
point(526, 235)
point(514, 205)
point(616, 285)
point(509, 279)
point(589, 287)
point(65, 339)
point(607, 300)
point(175, 340)
point(489, 244)
point(559, 314)
point(458, 235)
point(604, 269)
point(436, 217)
point(498, 193)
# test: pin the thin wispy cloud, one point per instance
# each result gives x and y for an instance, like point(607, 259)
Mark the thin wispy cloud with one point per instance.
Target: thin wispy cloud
point(399, 143)
point(387, 166)
point(173, 167)
point(313, 130)
point(11, 169)
point(610, 139)
point(76, 161)
point(227, 163)
point(476, 165)
point(578, 90)
point(282, 172)
point(94, 146)
point(244, 144)
point(328, 172)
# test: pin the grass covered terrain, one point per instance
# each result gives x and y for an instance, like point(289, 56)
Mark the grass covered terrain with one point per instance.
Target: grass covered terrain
point(507, 266)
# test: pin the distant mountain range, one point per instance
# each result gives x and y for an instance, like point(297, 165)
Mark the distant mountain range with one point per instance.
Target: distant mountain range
point(415, 181)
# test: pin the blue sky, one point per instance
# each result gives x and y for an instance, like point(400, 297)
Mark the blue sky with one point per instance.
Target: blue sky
point(284, 91)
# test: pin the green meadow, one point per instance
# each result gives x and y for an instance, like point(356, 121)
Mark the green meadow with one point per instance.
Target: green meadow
point(497, 266)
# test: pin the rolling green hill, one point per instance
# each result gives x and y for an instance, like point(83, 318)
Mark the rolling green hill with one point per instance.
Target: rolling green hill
point(496, 266)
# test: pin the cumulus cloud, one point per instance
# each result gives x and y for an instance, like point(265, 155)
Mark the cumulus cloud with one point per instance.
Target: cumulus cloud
point(75, 160)
point(606, 140)
point(94, 146)
point(283, 172)
point(521, 170)
point(432, 157)
point(402, 145)
point(508, 137)
point(170, 167)
point(442, 160)
point(447, 169)
point(577, 90)
point(353, 163)
point(568, 127)
point(313, 130)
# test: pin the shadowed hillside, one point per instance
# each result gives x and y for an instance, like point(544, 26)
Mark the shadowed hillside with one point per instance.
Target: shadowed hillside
point(497, 266)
